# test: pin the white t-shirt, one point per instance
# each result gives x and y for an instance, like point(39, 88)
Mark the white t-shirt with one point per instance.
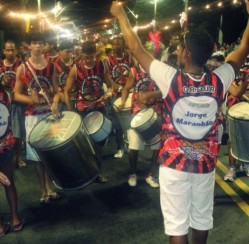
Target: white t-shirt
point(163, 74)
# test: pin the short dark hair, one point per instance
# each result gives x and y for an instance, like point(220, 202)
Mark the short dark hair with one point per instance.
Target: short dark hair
point(89, 47)
point(9, 41)
point(35, 36)
point(65, 45)
point(200, 44)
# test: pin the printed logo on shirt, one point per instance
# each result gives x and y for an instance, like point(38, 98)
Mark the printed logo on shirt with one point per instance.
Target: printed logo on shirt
point(193, 117)
point(120, 73)
point(92, 88)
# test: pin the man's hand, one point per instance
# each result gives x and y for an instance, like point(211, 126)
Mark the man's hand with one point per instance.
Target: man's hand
point(55, 111)
point(4, 179)
point(117, 9)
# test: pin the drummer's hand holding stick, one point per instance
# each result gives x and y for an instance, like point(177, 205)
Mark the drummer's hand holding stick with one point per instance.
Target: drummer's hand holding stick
point(54, 106)
point(146, 98)
point(108, 94)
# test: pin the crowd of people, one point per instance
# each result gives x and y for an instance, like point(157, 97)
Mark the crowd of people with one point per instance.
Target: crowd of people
point(189, 86)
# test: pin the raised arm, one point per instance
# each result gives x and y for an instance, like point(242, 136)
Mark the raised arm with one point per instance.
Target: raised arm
point(238, 56)
point(131, 39)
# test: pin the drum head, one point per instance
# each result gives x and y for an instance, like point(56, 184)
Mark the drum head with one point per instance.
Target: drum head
point(239, 111)
point(127, 105)
point(142, 117)
point(50, 132)
point(93, 121)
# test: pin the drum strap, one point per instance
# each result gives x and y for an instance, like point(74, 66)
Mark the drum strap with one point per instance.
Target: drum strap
point(38, 83)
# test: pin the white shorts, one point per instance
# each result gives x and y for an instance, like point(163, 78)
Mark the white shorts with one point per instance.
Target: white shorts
point(186, 200)
point(30, 122)
point(136, 143)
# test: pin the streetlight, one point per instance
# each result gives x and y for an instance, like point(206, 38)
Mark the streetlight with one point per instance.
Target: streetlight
point(155, 12)
point(186, 12)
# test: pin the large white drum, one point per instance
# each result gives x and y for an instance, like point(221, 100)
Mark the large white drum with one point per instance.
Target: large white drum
point(238, 124)
point(98, 126)
point(148, 125)
point(124, 115)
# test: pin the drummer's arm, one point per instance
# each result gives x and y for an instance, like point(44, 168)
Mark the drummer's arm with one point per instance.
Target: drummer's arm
point(126, 89)
point(107, 76)
point(238, 91)
point(152, 96)
point(18, 89)
point(107, 80)
point(56, 97)
point(68, 87)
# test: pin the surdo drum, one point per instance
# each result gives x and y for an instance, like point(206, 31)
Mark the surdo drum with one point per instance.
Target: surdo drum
point(147, 124)
point(124, 115)
point(238, 124)
point(66, 150)
point(98, 126)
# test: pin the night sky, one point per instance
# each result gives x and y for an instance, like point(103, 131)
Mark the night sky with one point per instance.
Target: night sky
point(86, 13)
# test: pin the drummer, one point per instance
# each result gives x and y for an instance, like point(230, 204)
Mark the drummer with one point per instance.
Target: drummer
point(63, 65)
point(7, 142)
point(89, 76)
point(238, 92)
point(142, 85)
point(119, 63)
point(8, 69)
point(37, 88)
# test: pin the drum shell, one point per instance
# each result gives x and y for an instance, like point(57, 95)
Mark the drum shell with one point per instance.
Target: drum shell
point(72, 164)
point(104, 129)
point(124, 115)
point(239, 136)
point(151, 130)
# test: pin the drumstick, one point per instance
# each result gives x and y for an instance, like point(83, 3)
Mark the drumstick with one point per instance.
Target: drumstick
point(245, 97)
point(41, 92)
point(126, 72)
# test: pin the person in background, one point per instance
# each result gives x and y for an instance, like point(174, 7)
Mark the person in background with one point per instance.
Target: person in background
point(119, 64)
point(7, 142)
point(237, 93)
point(8, 69)
point(37, 72)
point(63, 65)
point(77, 52)
point(141, 84)
point(192, 97)
point(174, 40)
point(50, 50)
point(24, 51)
point(143, 87)
point(88, 77)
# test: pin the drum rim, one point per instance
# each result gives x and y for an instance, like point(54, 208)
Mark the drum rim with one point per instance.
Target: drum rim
point(103, 119)
point(125, 108)
point(61, 144)
point(141, 111)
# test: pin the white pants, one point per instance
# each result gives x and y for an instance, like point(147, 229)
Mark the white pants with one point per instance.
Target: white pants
point(186, 200)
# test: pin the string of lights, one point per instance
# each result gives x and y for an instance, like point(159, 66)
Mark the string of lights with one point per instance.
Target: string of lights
point(170, 23)
point(216, 5)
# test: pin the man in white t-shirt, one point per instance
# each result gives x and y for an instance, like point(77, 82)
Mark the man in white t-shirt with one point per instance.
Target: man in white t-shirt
point(192, 97)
